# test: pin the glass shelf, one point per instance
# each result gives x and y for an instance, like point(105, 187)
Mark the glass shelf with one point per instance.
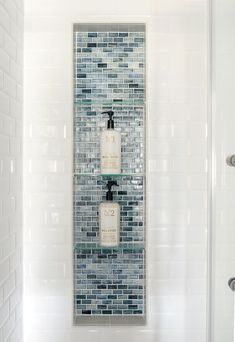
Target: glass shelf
point(109, 174)
point(89, 248)
point(109, 102)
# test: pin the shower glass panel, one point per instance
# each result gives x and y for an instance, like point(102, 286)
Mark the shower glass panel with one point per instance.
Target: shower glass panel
point(223, 119)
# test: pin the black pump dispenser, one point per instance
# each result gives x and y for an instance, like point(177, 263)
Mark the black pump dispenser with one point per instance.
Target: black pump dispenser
point(110, 123)
point(109, 193)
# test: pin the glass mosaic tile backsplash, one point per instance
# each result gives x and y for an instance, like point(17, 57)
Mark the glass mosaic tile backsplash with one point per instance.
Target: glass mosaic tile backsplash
point(109, 74)
point(90, 191)
point(109, 281)
point(88, 124)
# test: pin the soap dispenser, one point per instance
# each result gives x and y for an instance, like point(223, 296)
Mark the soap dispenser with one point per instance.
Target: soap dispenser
point(110, 148)
point(109, 219)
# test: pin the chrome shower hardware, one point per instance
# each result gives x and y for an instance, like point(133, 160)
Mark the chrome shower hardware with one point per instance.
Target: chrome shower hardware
point(231, 160)
point(231, 284)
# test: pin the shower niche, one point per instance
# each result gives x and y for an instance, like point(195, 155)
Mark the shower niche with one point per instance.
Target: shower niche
point(109, 74)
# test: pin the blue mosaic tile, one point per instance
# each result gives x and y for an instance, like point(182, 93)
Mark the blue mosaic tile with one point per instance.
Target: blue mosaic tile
point(114, 74)
point(112, 302)
point(90, 191)
point(109, 73)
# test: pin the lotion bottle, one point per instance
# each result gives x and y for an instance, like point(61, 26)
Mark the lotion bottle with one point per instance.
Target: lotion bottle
point(110, 148)
point(109, 219)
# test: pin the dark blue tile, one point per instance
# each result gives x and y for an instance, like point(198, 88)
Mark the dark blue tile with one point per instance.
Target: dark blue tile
point(92, 34)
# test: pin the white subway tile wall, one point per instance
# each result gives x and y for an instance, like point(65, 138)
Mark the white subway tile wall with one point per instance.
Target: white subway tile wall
point(176, 162)
point(11, 115)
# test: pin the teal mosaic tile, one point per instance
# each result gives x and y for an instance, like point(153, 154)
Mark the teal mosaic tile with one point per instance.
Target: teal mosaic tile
point(127, 265)
point(109, 73)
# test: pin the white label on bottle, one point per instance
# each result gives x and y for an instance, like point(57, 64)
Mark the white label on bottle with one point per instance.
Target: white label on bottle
point(109, 226)
point(110, 152)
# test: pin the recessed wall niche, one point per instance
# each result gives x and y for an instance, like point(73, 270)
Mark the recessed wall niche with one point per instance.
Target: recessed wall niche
point(109, 74)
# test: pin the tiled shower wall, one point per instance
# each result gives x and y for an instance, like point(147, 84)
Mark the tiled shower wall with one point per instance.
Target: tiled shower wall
point(109, 281)
point(109, 74)
point(11, 115)
point(176, 163)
